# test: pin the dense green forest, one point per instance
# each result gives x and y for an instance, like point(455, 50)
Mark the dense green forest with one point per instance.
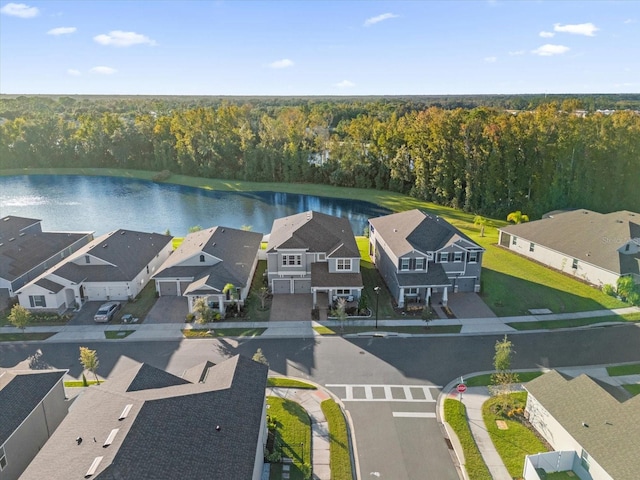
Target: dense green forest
point(485, 155)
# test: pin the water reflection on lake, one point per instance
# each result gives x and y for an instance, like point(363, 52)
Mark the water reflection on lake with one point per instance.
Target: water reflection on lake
point(102, 204)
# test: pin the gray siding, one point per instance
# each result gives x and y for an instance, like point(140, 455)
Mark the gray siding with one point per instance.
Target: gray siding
point(387, 269)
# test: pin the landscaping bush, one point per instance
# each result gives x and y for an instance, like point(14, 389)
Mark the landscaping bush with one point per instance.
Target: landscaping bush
point(610, 290)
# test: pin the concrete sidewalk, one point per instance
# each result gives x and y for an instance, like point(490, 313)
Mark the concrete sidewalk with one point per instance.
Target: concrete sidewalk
point(474, 398)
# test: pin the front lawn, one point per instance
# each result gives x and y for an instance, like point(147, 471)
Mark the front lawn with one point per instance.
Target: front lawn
point(484, 380)
point(619, 370)
point(222, 332)
point(24, 337)
point(438, 329)
point(339, 451)
point(293, 436)
point(139, 306)
point(455, 415)
point(517, 441)
point(253, 305)
point(289, 383)
point(573, 322)
point(117, 334)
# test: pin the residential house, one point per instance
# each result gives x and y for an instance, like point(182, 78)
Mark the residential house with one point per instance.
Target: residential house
point(595, 247)
point(418, 254)
point(114, 266)
point(32, 405)
point(206, 262)
point(582, 416)
point(26, 251)
point(148, 424)
point(312, 252)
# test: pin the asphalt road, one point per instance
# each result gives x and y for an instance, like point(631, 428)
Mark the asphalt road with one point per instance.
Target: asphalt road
point(387, 383)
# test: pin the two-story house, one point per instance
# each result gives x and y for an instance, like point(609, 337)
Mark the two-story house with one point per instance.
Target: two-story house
point(419, 254)
point(312, 252)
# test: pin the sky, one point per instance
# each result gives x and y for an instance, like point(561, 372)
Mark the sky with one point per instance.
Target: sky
point(308, 47)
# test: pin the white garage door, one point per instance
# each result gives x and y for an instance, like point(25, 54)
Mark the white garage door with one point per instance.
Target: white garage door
point(118, 292)
point(281, 286)
point(302, 286)
point(96, 293)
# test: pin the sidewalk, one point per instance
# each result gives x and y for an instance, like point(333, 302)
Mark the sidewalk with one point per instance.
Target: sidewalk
point(310, 400)
point(300, 329)
point(474, 398)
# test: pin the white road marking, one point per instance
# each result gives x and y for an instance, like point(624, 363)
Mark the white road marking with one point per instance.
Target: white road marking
point(350, 395)
point(414, 414)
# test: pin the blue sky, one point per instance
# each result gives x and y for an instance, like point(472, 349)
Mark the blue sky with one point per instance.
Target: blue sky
point(308, 47)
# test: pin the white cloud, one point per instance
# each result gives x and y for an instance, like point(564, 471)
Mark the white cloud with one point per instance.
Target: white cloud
point(19, 10)
point(345, 84)
point(629, 20)
point(118, 38)
point(103, 70)
point(517, 52)
point(491, 59)
point(284, 63)
point(61, 31)
point(544, 34)
point(73, 72)
point(588, 29)
point(548, 50)
point(380, 18)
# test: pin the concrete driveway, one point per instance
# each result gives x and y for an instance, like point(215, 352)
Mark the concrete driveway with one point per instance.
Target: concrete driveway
point(86, 313)
point(168, 310)
point(469, 305)
point(291, 307)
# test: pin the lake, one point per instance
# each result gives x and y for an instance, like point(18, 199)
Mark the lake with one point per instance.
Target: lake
point(103, 204)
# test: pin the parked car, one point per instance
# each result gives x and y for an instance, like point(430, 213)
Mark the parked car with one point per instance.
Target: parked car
point(106, 312)
point(128, 318)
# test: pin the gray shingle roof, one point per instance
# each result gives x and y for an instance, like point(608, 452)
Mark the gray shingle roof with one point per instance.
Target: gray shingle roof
point(315, 232)
point(237, 250)
point(321, 277)
point(20, 394)
point(612, 437)
point(170, 431)
point(49, 285)
point(22, 251)
point(414, 230)
point(586, 235)
point(435, 276)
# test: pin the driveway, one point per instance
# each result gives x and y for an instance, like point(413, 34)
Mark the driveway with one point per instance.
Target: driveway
point(86, 313)
point(468, 305)
point(168, 310)
point(291, 307)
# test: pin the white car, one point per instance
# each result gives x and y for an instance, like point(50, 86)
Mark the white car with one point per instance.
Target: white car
point(106, 312)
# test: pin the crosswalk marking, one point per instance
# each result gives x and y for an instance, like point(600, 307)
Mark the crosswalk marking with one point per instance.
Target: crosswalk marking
point(414, 414)
point(365, 392)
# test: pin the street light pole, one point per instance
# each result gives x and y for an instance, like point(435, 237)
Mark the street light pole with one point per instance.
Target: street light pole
point(377, 290)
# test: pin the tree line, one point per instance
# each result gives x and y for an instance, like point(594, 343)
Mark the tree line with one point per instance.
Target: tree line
point(484, 160)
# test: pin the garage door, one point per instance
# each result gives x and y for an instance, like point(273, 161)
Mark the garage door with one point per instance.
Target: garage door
point(118, 292)
point(168, 289)
point(281, 286)
point(465, 284)
point(96, 293)
point(302, 286)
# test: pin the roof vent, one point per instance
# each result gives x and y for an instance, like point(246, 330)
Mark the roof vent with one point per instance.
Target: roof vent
point(104, 246)
point(22, 234)
point(395, 230)
point(11, 239)
point(122, 232)
point(223, 230)
point(126, 411)
point(110, 438)
point(93, 467)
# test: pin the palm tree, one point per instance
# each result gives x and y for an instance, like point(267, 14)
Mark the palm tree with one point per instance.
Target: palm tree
point(482, 222)
point(517, 217)
point(231, 290)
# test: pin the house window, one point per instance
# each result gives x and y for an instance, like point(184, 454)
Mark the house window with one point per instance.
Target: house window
point(201, 258)
point(37, 301)
point(430, 256)
point(404, 264)
point(574, 265)
point(147, 269)
point(87, 259)
point(343, 291)
point(419, 263)
point(411, 292)
point(344, 264)
point(322, 257)
point(457, 257)
point(585, 460)
point(291, 260)
point(473, 257)
point(3, 459)
point(514, 240)
point(532, 247)
point(443, 257)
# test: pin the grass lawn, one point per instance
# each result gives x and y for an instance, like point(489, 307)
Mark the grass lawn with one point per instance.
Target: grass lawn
point(78, 383)
point(517, 441)
point(253, 305)
point(484, 380)
point(24, 337)
point(322, 330)
point(141, 305)
point(293, 435)
point(511, 284)
point(576, 322)
point(633, 389)
point(222, 332)
point(289, 383)
point(339, 452)
point(568, 475)
point(455, 416)
point(117, 334)
point(618, 370)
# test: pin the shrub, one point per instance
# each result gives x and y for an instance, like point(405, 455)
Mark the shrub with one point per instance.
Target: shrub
point(162, 176)
point(608, 289)
point(189, 318)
